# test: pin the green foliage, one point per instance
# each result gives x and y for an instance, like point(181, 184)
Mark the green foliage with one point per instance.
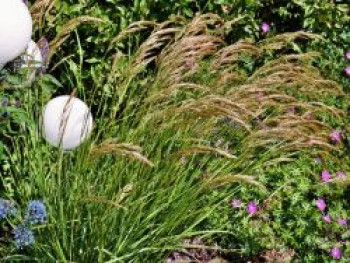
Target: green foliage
point(289, 217)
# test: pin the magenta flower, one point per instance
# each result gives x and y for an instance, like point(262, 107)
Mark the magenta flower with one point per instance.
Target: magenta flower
point(347, 71)
point(341, 175)
point(265, 27)
point(321, 204)
point(347, 55)
point(236, 203)
point(327, 218)
point(252, 208)
point(336, 253)
point(335, 136)
point(325, 176)
point(342, 221)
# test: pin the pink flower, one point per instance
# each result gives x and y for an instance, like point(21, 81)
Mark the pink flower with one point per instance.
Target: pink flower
point(252, 208)
point(236, 203)
point(347, 71)
point(325, 176)
point(327, 218)
point(342, 221)
point(341, 175)
point(336, 253)
point(335, 136)
point(347, 55)
point(321, 204)
point(265, 27)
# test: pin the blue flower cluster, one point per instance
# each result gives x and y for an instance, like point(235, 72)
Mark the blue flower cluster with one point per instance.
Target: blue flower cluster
point(23, 236)
point(36, 213)
point(7, 208)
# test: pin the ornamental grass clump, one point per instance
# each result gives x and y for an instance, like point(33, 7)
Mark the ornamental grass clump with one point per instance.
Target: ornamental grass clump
point(267, 93)
point(278, 106)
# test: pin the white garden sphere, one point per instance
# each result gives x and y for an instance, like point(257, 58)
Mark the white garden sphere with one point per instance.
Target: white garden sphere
point(67, 122)
point(32, 60)
point(15, 29)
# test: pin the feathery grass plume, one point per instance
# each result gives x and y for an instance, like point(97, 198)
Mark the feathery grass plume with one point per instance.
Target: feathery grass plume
point(271, 88)
point(133, 28)
point(163, 34)
point(222, 180)
point(228, 56)
point(116, 201)
point(216, 106)
point(203, 24)
point(288, 134)
point(101, 200)
point(122, 76)
point(162, 46)
point(122, 149)
point(205, 150)
point(182, 58)
point(166, 93)
point(290, 71)
point(230, 24)
point(40, 10)
point(282, 40)
point(70, 26)
point(228, 77)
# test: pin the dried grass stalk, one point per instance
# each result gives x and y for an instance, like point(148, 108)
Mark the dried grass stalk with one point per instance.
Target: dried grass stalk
point(205, 150)
point(40, 10)
point(229, 55)
point(133, 28)
point(220, 181)
point(281, 40)
point(121, 149)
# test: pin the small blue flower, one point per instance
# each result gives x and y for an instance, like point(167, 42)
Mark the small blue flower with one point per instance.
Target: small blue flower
point(23, 236)
point(36, 213)
point(7, 208)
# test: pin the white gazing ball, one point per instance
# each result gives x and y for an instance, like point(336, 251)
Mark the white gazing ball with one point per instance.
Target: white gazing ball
point(15, 29)
point(32, 60)
point(67, 122)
